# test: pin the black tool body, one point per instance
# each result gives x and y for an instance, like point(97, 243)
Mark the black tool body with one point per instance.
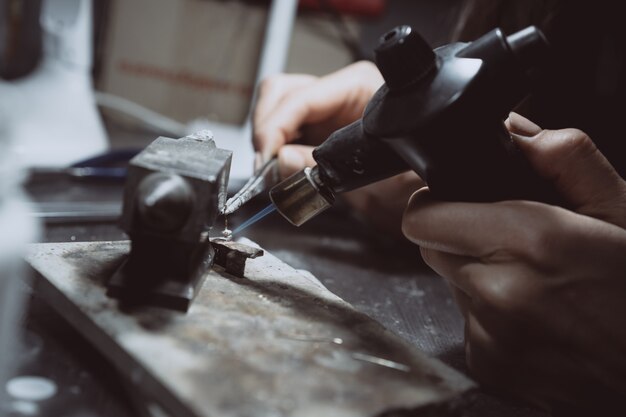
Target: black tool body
point(440, 113)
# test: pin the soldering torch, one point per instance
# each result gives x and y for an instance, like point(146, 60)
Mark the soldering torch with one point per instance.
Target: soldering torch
point(440, 113)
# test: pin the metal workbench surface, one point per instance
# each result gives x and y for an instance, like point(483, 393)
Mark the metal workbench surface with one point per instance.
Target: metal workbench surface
point(383, 278)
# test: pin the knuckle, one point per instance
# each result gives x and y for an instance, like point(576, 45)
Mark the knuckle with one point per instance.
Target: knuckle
point(575, 142)
point(366, 67)
point(270, 82)
point(537, 245)
point(535, 233)
point(508, 295)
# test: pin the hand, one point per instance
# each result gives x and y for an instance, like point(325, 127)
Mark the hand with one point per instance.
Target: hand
point(309, 109)
point(542, 289)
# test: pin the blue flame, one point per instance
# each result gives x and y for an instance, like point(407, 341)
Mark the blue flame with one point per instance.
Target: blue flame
point(267, 210)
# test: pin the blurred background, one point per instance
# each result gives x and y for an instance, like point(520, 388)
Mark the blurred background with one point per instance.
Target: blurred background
point(171, 66)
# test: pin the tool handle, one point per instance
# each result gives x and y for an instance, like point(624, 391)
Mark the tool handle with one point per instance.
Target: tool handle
point(350, 159)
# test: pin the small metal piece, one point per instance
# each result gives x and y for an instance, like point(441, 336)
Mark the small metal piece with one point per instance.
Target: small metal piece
point(301, 196)
point(381, 361)
point(232, 256)
point(227, 234)
point(312, 339)
point(264, 178)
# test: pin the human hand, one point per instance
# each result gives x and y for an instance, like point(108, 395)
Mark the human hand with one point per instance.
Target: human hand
point(309, 108)
point(542, 288)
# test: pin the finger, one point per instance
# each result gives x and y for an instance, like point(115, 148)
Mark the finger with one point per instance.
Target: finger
point(272, 95)
point(457, 269)
point(584, 177)
point(293, 158)
point(480, 230)
point(273, 89)
point(498, 287)
point(581, 173)
point(341, 91)
point(517, 236)
point(520, 125)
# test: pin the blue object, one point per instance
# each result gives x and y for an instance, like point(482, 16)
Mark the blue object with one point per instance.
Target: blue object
point(267, 210)
point(105, 166)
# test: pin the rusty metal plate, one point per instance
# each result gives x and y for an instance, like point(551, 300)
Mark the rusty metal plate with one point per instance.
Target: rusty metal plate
point(273, 343)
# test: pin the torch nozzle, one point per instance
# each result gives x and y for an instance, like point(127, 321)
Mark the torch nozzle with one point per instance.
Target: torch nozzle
point(302, 196)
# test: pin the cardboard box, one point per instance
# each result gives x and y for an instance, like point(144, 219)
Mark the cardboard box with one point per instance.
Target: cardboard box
point(185, 58)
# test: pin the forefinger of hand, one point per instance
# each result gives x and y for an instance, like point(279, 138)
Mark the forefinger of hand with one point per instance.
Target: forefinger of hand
point(328, 96)
point(266, 138)
point(490, 231)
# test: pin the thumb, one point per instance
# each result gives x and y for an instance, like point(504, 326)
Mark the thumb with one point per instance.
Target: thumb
point(571, 161)
point(293, 158)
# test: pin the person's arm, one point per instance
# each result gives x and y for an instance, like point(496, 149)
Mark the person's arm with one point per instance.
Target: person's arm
point(542, 288)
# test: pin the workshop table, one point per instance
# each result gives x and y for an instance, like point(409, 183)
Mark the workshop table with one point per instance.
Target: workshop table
point(379, 276)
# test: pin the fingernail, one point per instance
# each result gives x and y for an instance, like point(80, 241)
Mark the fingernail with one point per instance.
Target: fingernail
point(521, 138)
point(522, 125)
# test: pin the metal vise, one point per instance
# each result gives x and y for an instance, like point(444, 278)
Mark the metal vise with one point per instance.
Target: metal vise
point(174, 191)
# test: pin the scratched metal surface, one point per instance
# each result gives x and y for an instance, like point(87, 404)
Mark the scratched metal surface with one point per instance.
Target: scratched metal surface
point(386, 280)
point(276, 343)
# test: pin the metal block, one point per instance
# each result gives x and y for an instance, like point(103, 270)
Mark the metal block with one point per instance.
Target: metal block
point(174, 192)
point(232, 256)
point(196, 160)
